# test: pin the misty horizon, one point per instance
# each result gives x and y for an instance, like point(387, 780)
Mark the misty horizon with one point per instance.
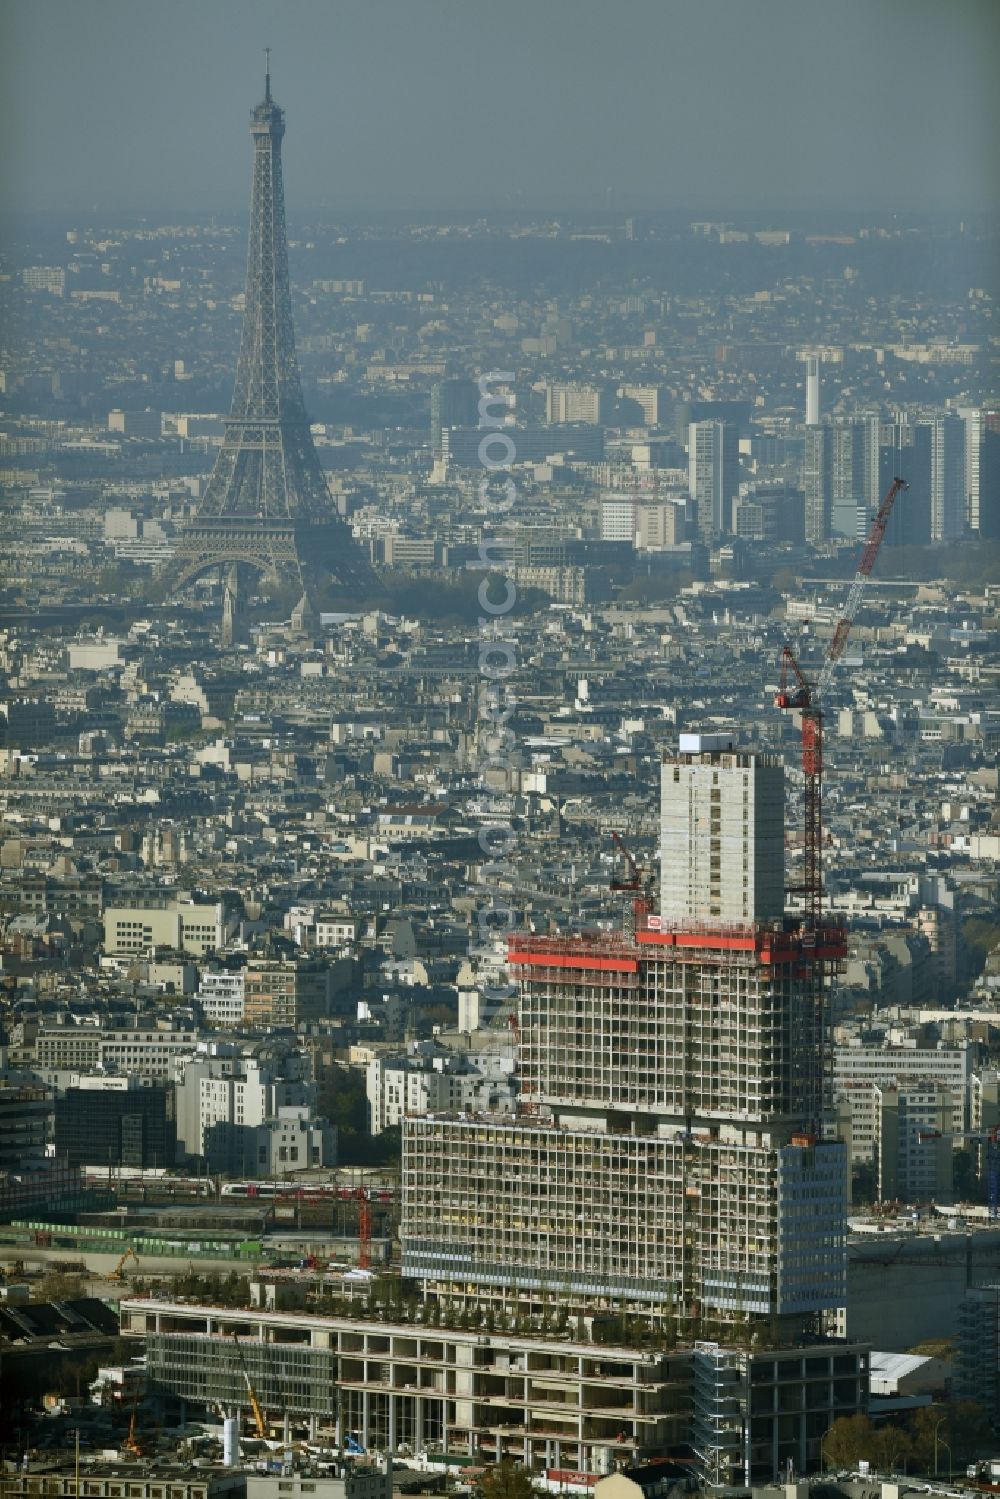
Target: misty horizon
point(680, 107)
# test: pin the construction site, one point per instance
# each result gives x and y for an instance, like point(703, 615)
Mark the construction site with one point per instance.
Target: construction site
point(651, 1253)
point(665, 1170)
point(672, 1172)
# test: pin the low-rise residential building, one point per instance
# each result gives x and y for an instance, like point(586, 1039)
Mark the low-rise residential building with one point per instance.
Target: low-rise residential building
point(221, 997)
point(184, 926)
point(283, 991)
point(858, 1068)
point(357, 1481)
point(291, 1140)
point(234, 1090)
point(336, 931)
point(111, 1480)
point(913, 1150)
point(423, 1084)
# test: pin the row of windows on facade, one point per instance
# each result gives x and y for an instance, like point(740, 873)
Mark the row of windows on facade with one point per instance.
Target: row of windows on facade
point(117, 1490)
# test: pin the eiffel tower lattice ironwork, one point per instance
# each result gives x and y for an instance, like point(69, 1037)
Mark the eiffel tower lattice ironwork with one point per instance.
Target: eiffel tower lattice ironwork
point(267, 506)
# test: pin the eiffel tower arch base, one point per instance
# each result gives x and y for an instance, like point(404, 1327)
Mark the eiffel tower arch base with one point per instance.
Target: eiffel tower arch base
point(305, 557)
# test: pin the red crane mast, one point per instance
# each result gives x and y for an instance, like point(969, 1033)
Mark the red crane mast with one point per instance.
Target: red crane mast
point(364, 1227)
point(806, 698)
point(640, 885)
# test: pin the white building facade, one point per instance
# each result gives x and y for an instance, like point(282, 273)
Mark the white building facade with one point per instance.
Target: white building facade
point(220, 994)
point(400, 1086)
point(722, 833)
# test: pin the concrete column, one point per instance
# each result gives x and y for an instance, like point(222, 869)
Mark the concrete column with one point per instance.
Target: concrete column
point(418, 1423)
point(365, 1419)
point(392, 1425)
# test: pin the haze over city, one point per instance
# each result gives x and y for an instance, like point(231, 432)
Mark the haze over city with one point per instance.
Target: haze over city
point(695, 104)
point(499, 751)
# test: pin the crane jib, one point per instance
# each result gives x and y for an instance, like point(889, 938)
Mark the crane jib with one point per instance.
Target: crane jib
point(807, 698)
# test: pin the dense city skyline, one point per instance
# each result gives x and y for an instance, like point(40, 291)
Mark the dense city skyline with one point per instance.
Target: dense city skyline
point(679, 105)
point(499, 895)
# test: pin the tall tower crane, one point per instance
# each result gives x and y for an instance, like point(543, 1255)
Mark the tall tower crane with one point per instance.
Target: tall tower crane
point(364, 1228)
point(807, 697)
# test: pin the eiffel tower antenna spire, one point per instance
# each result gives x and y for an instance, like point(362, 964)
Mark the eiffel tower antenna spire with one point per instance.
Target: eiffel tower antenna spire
point(267, 506)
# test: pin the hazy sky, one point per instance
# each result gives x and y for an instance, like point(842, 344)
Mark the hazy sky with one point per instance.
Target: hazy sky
point(703, 104)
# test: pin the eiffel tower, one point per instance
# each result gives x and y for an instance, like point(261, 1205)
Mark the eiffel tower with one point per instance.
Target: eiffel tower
point(267, 507)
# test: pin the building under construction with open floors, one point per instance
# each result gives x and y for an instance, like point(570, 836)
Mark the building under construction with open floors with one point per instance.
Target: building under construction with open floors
point(551, 1401)
point(662, 1170)
point(647, 1257)
point(666, 1163)
point(668, 1173)
point(555, 1401)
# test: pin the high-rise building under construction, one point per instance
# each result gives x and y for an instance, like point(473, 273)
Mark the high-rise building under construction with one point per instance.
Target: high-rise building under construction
point(641, 1262)
point(667, 1171)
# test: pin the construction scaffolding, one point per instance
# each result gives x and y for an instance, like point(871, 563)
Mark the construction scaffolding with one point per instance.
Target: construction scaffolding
point(666, 1165)
point(715, 1022)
